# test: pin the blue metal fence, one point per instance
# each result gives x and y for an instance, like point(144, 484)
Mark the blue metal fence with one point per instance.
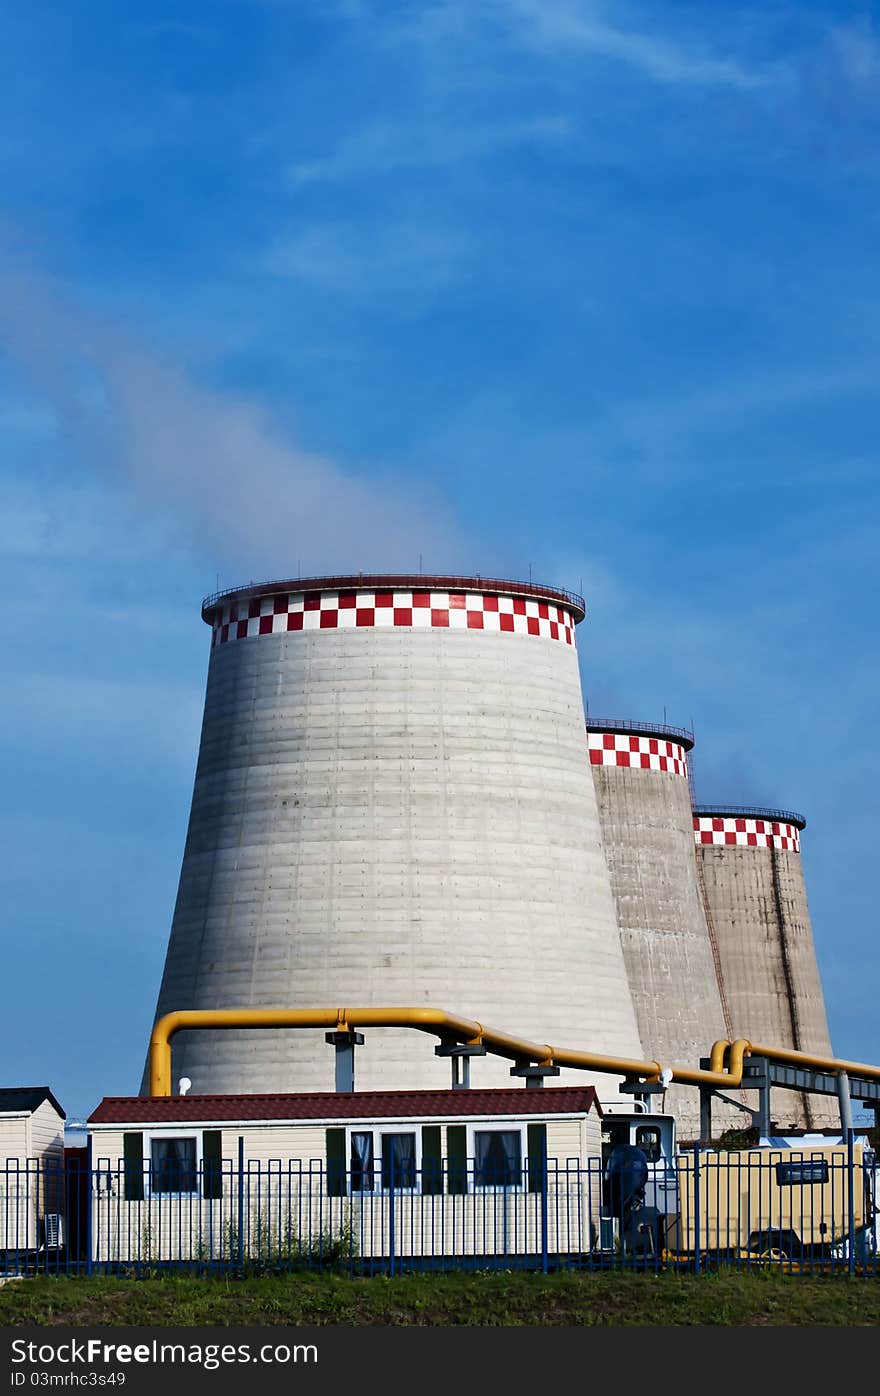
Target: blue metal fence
point(802, 1211)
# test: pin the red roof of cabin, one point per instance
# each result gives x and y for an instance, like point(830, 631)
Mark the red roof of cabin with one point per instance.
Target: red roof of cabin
point(337, 1105)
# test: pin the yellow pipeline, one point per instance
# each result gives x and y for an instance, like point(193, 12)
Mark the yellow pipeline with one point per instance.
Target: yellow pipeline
point(726, 1059)
point(433, 1020)
point(785, 1056)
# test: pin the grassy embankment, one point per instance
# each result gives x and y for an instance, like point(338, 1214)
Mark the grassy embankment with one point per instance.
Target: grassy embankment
point(761, 1299)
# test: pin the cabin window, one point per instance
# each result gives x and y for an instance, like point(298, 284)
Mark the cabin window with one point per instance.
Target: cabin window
point(173, 1166)
point(498, 1158)
point(398, 1160)
point(362, 1174)
point(377, 1160)
point(800, 1171)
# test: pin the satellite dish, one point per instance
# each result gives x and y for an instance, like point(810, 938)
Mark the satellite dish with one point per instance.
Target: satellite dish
point(184, 1085)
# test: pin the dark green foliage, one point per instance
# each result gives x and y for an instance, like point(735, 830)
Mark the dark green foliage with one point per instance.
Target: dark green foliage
point(735, 1140)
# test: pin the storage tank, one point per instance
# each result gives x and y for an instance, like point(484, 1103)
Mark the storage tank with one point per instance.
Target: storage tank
point(392, 807)
point(750, 861)
point(640, 773)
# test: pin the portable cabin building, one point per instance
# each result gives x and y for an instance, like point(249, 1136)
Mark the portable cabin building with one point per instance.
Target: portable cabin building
point(371, 1175)
point(31, 1157)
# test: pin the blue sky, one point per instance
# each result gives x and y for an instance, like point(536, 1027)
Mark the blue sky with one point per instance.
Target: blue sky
point(581, 288)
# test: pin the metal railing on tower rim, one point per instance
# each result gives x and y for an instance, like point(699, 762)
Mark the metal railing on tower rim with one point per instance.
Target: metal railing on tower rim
point(778, 816)
point(434, 581)
point(645, 729)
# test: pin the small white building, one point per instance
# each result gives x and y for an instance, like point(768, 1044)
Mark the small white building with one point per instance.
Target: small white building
point(410, 1173)
point(31, 1159)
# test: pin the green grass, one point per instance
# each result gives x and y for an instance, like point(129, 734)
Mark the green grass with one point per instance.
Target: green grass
point(496, 1299)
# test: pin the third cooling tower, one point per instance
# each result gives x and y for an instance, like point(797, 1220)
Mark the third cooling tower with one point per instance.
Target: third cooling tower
point(392, 807)
point(641, 780)
point(751, 865)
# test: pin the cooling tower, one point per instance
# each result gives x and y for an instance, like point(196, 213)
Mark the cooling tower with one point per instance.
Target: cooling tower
point(640, 773)
point(751, 867)
point(392, 807)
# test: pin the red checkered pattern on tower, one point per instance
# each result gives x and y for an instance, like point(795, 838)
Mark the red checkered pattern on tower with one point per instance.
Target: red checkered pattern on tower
point(638, 753)
point(727, 831)
point(414, 610)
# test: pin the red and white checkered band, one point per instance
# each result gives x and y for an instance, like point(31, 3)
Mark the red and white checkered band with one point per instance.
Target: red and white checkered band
point(411, 610)
point(639, 753)
point(726, 831)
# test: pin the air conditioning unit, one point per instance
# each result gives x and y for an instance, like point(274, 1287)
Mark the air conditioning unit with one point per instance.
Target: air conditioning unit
point(53, 1231)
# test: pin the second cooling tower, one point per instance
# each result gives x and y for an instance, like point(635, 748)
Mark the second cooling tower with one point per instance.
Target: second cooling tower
point(392, 807)
point(641, 780)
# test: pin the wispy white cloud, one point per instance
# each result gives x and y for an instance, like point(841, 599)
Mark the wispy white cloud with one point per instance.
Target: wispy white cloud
point(625, 35)
point(857, 47)
point(581, 25)
point(658, 424)
point(172, 28)
point(410, 260)
point(840, 92)
point(385, 148)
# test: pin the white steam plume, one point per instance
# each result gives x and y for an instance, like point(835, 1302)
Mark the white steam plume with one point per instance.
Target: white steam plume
point(236, 490)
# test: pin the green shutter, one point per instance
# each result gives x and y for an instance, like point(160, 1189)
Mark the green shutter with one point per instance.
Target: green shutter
point(212, 1163)
point(432, 1163)
point(456, 1152)
point(133, 1165)
point(335, 1162)
point(537, 1144)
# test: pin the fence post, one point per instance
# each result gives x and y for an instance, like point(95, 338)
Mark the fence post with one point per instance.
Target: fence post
point(391, 1238)
point(850, 1198)
point(544, 1254)
point(697, 1259)
point(241, 1202)
point(41, 1166)
point(91, 1205)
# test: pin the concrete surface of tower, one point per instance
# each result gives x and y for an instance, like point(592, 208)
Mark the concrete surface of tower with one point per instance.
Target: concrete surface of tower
point(640, 771)
point(392, 806)
point(751, 865)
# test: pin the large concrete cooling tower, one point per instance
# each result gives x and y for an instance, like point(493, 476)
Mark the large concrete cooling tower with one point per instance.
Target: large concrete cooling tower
point(752, 870)
point(392, 807)
point(640, 772)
